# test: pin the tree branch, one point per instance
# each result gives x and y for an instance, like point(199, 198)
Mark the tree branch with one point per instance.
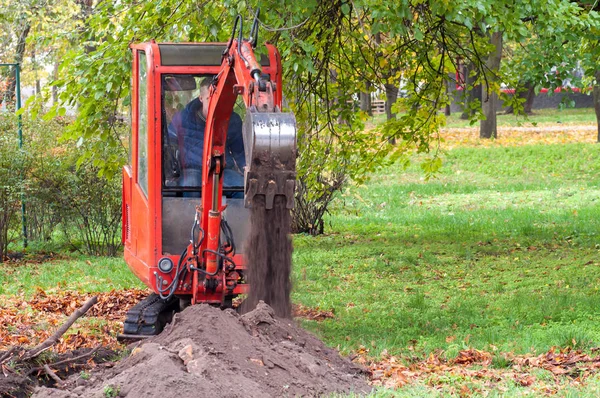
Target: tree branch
point(50, 341)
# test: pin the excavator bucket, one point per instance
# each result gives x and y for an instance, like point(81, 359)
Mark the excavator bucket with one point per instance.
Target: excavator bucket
point(270, 148)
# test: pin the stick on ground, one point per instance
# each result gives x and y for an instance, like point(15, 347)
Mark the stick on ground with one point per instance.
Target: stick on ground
point(66, 361)
point(50, 341)
point(52, 375)
point(8, 354)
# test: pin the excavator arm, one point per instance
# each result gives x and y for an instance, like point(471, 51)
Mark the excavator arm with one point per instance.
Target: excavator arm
point(270, 152)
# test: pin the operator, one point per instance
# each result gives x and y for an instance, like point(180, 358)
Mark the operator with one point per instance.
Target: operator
point(187, 131)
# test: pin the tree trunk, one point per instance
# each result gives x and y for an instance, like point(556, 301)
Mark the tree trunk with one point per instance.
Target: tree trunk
point(525, 91)
point(365, 101)
point(10, 93)
point(391, 90)
point(471, 92)
point(391, 95)
point(447, 110)
point(488, 127)
point(596, 92)
point(528, 105)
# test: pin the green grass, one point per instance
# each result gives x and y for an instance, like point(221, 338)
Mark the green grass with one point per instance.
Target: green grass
point(500, 251)
point(82, 273)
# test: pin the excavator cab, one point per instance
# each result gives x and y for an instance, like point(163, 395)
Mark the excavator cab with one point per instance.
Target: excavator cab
point(160, 193)
point(187, 189)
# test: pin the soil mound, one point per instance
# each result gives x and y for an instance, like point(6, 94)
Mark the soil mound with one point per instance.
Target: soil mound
point(209, 352)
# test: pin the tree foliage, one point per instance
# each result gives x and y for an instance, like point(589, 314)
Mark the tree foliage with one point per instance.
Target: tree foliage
point(551, 49)
point(331, 50)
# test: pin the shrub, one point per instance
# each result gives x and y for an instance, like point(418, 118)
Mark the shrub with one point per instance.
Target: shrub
point(12, 163)
point(63, 199)
point(72, 196)
point(45, 164)
point(91, 210)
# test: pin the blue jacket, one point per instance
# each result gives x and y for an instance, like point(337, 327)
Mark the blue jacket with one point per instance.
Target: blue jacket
point(187, 132)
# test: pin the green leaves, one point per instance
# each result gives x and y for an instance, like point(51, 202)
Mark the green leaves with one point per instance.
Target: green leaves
point(345, 8)
point(330, 52)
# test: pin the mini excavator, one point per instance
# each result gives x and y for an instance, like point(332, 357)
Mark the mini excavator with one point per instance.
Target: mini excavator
point(184, 221)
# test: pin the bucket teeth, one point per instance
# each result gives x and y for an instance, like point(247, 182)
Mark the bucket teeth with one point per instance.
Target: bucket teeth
point(270, 148)
point(270, 194)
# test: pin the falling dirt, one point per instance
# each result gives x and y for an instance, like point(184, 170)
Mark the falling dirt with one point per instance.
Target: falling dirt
point(209, 352)
point(269, 256)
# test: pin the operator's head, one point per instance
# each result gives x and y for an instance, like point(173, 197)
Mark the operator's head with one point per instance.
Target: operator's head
point(205, 94)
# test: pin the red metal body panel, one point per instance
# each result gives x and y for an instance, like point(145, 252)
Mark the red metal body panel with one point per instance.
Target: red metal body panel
point(142, 214)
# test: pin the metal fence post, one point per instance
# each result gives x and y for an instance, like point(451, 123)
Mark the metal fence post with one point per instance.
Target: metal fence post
point(20, 132)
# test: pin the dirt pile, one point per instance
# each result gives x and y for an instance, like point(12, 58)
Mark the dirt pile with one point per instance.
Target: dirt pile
point(209, 352)
point(269, 256)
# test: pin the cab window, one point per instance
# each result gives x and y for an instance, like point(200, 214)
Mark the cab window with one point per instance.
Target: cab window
point(142, 160)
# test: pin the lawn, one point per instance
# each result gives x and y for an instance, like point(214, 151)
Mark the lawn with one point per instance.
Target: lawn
point(501, 250)
point(498, 253)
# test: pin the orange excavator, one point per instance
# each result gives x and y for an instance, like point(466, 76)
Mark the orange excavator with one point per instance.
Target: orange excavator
point(208, 136)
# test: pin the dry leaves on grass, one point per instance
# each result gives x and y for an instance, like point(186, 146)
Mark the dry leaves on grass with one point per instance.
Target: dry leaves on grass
point(517, 136)
point(19, 328)
point(31, 258)
point(468, 357)
point(312, 314)
point(112, 305)
point(560, 362)
point(27, 323)
point(391, 372)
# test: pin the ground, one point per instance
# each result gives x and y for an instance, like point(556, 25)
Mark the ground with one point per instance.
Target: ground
point(482, 281)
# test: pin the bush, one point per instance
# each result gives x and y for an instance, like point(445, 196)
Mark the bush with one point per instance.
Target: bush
point(310, 207)
point(12, 162)
point(43, 213)
point(69, 197)
point(327, 159)
point(66, 202)
point(90, 209)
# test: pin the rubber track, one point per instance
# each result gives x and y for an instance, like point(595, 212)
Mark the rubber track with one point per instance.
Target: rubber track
point(149, 316)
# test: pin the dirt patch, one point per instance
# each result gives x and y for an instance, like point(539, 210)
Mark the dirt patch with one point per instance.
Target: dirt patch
point(13, 385)
point(207, 351)
point(20, 380)
point(269, 255)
